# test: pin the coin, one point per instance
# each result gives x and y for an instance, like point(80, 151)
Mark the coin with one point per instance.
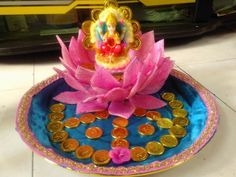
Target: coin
point(138, 154)
point(119, 132)
point(175, 104)
point(55, 126)
point(155, 148)
point(120, 143)
point(168, 96)
point(72, 122)
point(169, 141)
point(120, 122)
point(182, 121)
point(102, 114)
point(146, 129)
point(177, 131)
point(153, 115)
point(84, 152)
point(164, 123)
point(140, 112)
point(59, 136)
point(87, 118)
point(101, 157)
point(57, 107)
point(179, 112)
point(94, 132)
point(56, 116)
point(69, 145)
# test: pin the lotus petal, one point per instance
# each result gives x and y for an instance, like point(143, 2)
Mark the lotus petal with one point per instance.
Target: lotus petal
point(147, 102)
point(116, 94)
point(130, 73)
point(158, 80)
point(121, 108)
point(91, 106)
point(70, 97)
point(84, 75)
point(103, 79)
point(148, 41)
point(65, 54)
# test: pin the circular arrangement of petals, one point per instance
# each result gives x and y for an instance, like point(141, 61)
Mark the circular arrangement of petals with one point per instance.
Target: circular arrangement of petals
point(97, 89)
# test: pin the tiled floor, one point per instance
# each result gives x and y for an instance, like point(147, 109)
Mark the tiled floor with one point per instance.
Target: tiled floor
point(210, 59)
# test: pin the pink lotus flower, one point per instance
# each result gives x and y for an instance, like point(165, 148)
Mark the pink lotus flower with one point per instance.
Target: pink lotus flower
point(97, 89)
point(120, 155)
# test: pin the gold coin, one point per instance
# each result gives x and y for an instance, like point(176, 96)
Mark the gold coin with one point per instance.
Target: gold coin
point(164, 123)
point(119, 132)
point(146, 129)
point(153, 115)
point(56, 116)
point(94, 132)
point(55, 126)
point(59, 136)
point(101, 157)
point(179, 112)
point(84, 152)
point(175, 104)
point(120, 143)
point(87, 118)
point(169, 141)
point(138, 154)
point(120, 122)
point(168, 96)
point(182, 121)
point(102, 114)
point(69, 145)
point(140, 112)
point(57, 107)
point(72, 122)
point(177, 131)
point(155, 148)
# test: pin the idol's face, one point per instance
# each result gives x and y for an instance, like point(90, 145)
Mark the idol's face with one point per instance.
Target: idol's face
point(111, 28)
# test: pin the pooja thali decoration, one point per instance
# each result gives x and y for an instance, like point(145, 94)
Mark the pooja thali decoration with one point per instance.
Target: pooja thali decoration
point(119, 108)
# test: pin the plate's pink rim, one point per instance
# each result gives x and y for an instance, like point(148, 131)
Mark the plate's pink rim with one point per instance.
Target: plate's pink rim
point(28, 137)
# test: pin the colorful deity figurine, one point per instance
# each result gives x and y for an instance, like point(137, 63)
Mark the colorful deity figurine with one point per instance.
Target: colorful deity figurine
point(111, 33)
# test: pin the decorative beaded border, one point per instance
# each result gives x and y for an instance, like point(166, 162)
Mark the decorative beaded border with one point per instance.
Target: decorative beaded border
point(28, 137)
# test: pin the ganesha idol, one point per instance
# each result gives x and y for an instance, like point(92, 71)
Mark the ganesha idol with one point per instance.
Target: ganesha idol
point(111, 34)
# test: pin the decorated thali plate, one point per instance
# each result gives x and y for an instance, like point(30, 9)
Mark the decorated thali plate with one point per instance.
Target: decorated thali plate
point(159, 139)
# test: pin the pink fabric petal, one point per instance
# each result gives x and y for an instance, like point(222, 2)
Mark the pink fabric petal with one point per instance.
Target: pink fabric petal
point(85, 55)
point(84, 75)
point(70, 97)
point(121, 108)
point(130, 73)
point(138, 84)
point(65, 54)
point(74, 52)
point(103, 79)
point(147, 102)
point(74, 83)
point(116, 94)
point(68, 68)
point(158, 80)
point(92, 106)
point(59, 72)
point(148, 41)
